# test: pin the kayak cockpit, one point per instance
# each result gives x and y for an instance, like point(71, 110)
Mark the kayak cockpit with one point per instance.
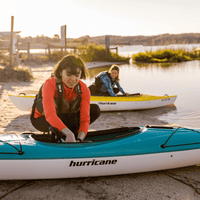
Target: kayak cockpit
point(94, 136)
point(111, 134)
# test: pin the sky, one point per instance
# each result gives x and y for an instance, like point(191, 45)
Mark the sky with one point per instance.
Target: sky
point(100, 17)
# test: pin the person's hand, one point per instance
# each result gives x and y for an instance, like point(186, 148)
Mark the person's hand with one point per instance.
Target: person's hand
point(126, 94)
point(81, 136)
point(69, 135)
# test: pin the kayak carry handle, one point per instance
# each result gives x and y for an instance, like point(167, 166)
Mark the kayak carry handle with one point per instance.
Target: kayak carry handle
point(159, 126)
point(22, 93)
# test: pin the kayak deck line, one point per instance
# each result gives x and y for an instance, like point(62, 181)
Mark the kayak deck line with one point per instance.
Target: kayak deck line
point(19, 151)
point(164, 145)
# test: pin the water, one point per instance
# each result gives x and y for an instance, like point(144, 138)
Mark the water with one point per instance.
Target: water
point(128, 50)
point(182, 79)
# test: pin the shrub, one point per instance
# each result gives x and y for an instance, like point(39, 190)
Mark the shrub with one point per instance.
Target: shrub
point(56, 56)
point(4, 58)
point(165, 55)
point(95, 52)
point(15, 73)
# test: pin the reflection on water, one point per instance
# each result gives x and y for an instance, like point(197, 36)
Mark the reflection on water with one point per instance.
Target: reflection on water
point(182, 79)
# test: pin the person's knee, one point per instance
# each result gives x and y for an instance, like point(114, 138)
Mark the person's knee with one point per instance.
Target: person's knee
point(40, 124)
point(94, 112)
point(92, 89)
point(95, 109)
point(116, 90)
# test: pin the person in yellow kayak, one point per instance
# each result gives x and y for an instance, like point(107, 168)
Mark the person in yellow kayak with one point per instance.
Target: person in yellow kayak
point(106, 81)
point(63, 101)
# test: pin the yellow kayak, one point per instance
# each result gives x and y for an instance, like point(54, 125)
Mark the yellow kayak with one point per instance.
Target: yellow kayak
point(24, 101)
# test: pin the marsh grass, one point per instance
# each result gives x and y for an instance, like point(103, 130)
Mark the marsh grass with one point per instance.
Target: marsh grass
point(8, 73)
point(4, 58)
point(93, 52)
point(165, 56)
point(89, 53)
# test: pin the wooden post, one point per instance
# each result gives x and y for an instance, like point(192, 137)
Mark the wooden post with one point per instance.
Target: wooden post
point(116, 50)
point(49, 50)
point(107, 42)
point(74, 50)
point(17, 45)
point(63, 30)
point(61, 51)
point(11, 41)
point(65, 39)
point(28, 51)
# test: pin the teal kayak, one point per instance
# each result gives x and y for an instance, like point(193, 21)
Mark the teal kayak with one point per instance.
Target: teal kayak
point(105, 152)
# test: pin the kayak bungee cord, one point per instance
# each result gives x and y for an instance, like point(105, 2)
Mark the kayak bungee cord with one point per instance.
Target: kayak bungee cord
point(164, 145)
point(20, 152)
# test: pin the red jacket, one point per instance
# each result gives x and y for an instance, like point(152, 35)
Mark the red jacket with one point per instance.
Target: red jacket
point(49, 92)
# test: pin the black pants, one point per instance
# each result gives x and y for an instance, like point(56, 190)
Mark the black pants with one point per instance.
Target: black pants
point(70, 120)
point(94, 91)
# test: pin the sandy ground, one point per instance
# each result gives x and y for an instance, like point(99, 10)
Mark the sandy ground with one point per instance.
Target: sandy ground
point(174, 184)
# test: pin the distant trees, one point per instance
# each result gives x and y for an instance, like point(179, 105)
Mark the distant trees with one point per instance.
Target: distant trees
point(56, 36)
point(156, 40)
point(81, 41)
point(35, 40)
point(163, 39)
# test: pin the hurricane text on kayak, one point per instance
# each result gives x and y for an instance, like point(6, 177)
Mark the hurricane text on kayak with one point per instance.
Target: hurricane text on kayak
point(93, 162)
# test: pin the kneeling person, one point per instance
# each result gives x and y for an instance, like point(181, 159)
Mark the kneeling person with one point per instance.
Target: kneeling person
point(65, 101)
point(105, 83)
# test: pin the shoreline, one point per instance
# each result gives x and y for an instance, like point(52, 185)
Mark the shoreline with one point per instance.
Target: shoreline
point(101, 64)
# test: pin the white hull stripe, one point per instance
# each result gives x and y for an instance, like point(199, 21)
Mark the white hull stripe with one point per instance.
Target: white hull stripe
point(87, 167)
